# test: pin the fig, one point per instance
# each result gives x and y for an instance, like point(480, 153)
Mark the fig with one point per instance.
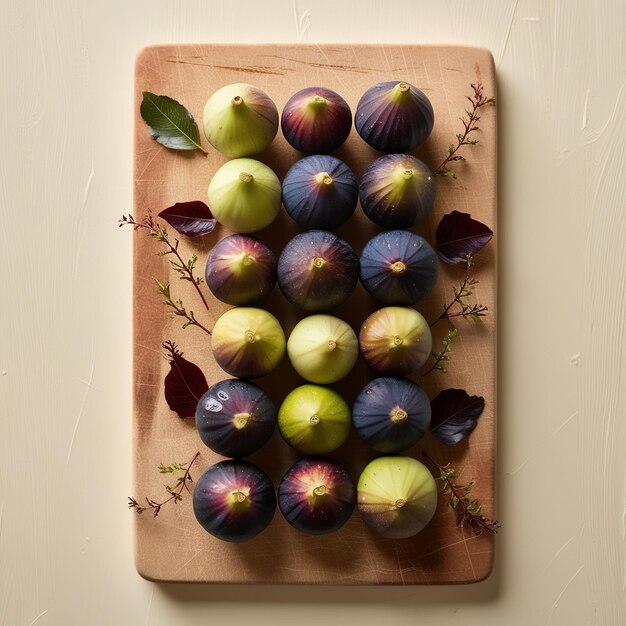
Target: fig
point(316, 496)
point(247, 342)
point(391, 414)
point(240, 270)
point(322, 348)
point(396, 191)
point(244, 195)
point(316, 120)
point(397, 496)
point(320, 191)
point(317, 270)
point(235, 418)
point(398, 267)
point(395, 340)
point(240, 120)
point(314, 419)
point(234, 500)
point(394, 117)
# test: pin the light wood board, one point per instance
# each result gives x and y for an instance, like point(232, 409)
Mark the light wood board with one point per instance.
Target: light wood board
point(173, 547)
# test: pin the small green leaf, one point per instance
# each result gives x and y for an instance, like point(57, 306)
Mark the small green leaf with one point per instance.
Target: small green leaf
point(170, 123)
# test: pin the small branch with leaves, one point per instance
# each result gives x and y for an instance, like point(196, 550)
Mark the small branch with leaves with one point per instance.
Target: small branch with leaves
point(178, 307)
point(467, 510)
point(444, 355)
point(175, 492)
point(477, 100)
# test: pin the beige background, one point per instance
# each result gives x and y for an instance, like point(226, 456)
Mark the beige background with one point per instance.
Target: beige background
point(65, 340)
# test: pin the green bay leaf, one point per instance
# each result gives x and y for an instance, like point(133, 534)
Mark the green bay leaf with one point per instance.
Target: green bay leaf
point(170, 123)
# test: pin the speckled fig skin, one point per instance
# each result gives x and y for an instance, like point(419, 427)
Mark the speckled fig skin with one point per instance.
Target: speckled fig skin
point(317, 270)
point(394, 117)
point(240, 270)
point(398, 267)
point(316, 496)
point(316, 120)
point(235, 418)
point(391, 414)
point(395, 341)
point(234, 500)
point(247, 342)
point(397, 191)
point(320, 191)
point(397, 496)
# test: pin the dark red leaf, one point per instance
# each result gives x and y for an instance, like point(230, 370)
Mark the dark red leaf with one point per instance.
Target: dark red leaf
point(192, 218)
point(459, 235)
point(454, 414)
point(184, 384)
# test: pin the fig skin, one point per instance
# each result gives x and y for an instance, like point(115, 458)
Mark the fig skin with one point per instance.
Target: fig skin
point(317, 270)
point(322, 348)
point(395, 341)
point(394, 117)
point(391, 414)
point(240, 270)
point(247, 342)
point(397, 191)
point(320, 191)
point(398, 267)
point(316, 496)
point(244, 195)
point(316, 120)
point(240, 120)
point(234, 500)
point(314, 419)
point(397, 496)
point(235, 418)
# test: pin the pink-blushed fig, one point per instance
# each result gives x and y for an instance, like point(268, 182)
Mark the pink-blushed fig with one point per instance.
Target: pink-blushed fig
point(240, 270)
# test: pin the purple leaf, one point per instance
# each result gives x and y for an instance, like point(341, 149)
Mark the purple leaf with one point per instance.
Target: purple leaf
point(454, 415)
point(190, 218)
point(184, 383)
point(459, 235)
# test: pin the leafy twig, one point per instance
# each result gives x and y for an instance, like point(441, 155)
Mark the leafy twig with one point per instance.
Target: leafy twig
point(175, 493)
point(444, 355)
point(179, 307)
point(473, 311)
point(468, 510)
point(469, 122)
point(158, 232)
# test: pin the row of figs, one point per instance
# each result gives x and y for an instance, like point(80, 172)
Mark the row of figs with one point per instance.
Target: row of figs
point(321, 192)
point(235, 500)
point(235, 418)
point(317, 270)
point(241, 120)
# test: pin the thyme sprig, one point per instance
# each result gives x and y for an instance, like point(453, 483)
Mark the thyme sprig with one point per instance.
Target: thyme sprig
point(477, 100)
point(178, 307)
point(464, 290)
point(175, 492)
point(468, 510)
point(444, 355)
point(160, 234)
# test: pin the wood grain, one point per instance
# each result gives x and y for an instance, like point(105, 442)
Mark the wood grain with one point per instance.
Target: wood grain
point(174, 547)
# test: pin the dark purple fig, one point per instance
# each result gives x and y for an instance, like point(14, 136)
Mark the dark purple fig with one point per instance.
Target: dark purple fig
point(391, 414)
point(240, 270)
point(395, 340)
point(235, 418)
point(398, 267)
point(394, 117)
point(234, 500)
point(316, 496)
point(317, 270)
point(316, 120)
point(397, 190)
point(320, 191)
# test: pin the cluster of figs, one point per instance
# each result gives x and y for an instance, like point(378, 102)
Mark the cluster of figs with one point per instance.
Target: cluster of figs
point(317, 271)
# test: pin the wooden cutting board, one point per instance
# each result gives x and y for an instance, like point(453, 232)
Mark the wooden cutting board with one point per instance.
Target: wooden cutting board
point(173, 547)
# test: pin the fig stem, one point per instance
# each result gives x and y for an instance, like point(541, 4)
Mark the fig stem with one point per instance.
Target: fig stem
point(331, 345)
point(318, 262)
point(398, 415)
point(314, 419)
point(239, 497)
point(250, 336)
point(317, 103)
point(324, 178)
point(246, 177)
point(398, 267)
point(241, 420)
point(396, 341)
point(320, 491)
point(236, 101)
point(400, 93)
point(399, 503)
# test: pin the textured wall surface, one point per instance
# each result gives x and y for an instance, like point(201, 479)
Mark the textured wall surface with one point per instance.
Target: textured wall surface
point(65, 339)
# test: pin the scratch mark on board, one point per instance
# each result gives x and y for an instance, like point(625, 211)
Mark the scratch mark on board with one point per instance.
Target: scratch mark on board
point(565, 423)
point(38, 616)
point(585, 109)
point(569, 582)
point(303, 22)
point(89, 386)
point(508, 32)
point(556, 554)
